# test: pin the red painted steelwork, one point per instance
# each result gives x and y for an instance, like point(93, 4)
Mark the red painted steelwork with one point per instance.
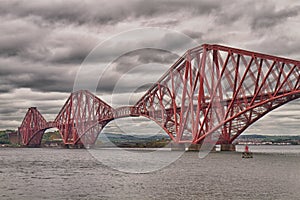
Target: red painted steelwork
point(220, 90)
point(212, 92)
point(32, 127)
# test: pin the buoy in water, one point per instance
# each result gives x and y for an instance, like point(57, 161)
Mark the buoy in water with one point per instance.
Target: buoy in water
point(247, 153)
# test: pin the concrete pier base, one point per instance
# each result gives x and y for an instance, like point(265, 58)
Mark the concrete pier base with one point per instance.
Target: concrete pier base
point(202, 147)
point(194, 147)
point(228, 147)
point(208, 147)
point(72, 146)
point(177, 147)
point(14, 138)
point(33, 146)
point(89, 146)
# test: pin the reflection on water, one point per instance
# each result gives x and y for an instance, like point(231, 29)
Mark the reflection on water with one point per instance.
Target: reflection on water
point(74, 174)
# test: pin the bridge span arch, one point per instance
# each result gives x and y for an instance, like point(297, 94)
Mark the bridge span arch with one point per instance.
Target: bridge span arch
point(210, 89)
point(221, 90)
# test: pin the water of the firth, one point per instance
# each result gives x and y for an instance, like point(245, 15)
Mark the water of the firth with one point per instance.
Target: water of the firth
point(46, 173)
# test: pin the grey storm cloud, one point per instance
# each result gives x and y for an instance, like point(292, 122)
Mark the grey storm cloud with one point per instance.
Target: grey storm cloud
point(147, 63)
point(43, 44)
point(37, 76)
point(17, 35)
point(30, 41)
point(267, 16)
point(79, 12)
point(130, 60)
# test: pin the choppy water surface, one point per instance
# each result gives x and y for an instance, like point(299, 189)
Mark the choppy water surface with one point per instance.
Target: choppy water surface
point(74, 174)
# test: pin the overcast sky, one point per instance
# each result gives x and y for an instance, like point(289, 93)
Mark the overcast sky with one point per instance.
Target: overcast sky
point(43, 43)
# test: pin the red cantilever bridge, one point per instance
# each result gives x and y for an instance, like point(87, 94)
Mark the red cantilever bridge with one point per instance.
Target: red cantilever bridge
point(210, 89)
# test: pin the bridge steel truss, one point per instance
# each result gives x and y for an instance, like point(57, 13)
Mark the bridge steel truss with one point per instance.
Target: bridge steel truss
point(212, 92)
point(219, 91)
point(79, 121)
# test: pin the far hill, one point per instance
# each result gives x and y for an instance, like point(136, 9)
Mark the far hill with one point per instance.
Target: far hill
point(270, 139)
point(122, 140)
